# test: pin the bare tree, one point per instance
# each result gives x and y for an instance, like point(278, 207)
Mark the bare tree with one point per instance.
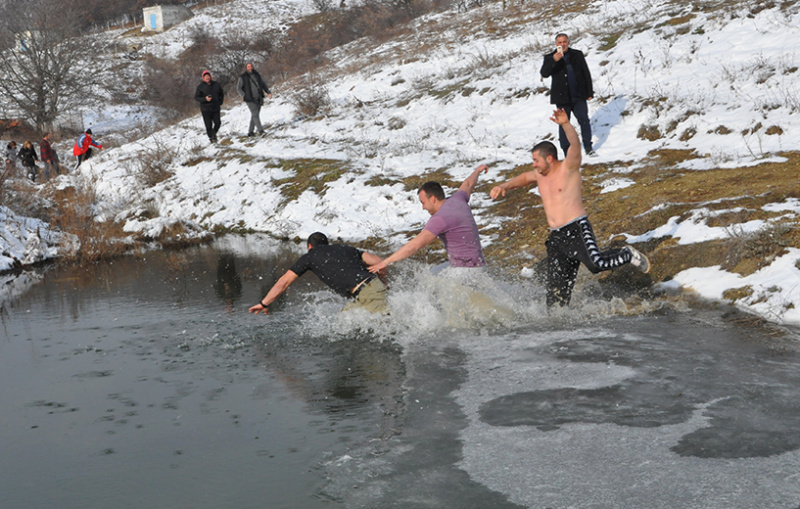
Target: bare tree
point(42, 57)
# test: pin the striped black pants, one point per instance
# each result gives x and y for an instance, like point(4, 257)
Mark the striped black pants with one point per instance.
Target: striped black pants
point(568, 247)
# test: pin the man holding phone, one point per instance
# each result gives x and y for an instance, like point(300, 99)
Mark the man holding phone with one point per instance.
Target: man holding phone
point(570, 88)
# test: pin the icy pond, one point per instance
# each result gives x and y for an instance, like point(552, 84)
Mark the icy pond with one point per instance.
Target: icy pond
point(145, 383)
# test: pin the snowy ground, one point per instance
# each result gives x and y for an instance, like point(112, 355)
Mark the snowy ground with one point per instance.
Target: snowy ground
point(453, 95)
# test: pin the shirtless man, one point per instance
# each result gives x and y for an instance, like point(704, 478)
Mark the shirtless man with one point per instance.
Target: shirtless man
point(571, 239)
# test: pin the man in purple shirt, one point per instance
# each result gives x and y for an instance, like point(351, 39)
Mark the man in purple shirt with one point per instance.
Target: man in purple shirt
point(451, 220)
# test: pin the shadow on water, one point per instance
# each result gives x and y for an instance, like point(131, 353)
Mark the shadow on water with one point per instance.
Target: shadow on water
point(150, 372)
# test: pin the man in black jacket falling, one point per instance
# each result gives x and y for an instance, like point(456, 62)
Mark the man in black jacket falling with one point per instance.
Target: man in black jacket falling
point(570, 88)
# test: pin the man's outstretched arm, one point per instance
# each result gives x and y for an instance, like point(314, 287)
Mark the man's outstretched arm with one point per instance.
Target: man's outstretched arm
point(277, 289)
point(523, 179)
point(412, 246)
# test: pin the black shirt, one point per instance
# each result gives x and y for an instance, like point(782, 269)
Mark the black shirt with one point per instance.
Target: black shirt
point(338, 266)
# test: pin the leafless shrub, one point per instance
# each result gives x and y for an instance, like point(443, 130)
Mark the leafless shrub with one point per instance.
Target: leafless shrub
point(757, 247)
point(312, 100)
point(323, 5)
point(169, 85)
point(75, 213)
point(152, 165)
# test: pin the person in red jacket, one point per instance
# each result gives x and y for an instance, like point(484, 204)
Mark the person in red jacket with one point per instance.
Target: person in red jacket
point(83, 147)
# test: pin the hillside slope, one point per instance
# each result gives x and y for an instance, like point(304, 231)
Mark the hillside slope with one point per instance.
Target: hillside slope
point(694, 117)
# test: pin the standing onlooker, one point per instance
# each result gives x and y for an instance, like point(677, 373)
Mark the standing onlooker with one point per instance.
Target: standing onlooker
point(210, 96)
point(11, 157)
point(27, 154)
point(83, 147)
point(48, 157)
point(570, 88)
point(252, 88)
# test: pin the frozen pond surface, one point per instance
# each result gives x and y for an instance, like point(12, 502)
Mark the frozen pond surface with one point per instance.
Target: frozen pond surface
point(145, 383)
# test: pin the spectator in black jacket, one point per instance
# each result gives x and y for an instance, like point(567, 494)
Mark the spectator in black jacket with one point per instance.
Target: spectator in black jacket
point(27, 154)
point(252, 89)
point(570, 88)
point(210, 96)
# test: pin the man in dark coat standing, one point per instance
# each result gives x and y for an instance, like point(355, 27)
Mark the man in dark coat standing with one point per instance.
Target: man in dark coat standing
point(252, 89)
point(210, 96)
point(570, 88)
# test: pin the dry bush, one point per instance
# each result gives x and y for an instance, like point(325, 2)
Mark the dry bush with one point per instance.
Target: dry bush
point(300, 48)
point(170, 85)
point(75, 214)
point(312, 99)
point(747, 252)
point(151, 166)
point(5, 174)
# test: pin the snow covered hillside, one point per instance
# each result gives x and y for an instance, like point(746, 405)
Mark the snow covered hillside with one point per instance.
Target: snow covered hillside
point(461, 89)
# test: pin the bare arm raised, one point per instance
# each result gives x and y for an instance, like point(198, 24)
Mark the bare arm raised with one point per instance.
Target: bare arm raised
point(469, 183)
point(573, 158)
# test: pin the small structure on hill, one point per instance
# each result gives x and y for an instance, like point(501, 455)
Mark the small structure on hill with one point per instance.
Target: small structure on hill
point(160, 17)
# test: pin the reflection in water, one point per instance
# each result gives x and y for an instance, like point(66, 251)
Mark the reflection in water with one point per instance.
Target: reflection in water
point(228, 286)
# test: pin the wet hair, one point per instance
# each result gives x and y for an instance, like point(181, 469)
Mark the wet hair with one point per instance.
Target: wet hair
point(317, 239)
point(562, 34)
point(545, 148)
point(432, 189)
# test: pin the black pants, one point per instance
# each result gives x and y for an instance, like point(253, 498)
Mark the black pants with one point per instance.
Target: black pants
point(86, 155)
point(581, 110)
point(212, 121)
point(568, 247)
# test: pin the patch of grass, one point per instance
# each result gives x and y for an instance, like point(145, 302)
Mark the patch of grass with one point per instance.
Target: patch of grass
point(671, 157)
point(649, 133)
point(688, 134)
point(379, 181)
point(309, 174)
point(453, 89)
point(441, 176)
point(680, 20)
point(194, 161)
point(610, 40)
point(734, 294)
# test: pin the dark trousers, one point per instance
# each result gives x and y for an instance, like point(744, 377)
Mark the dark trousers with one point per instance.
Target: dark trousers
point(212, 121)
point(86, 155)
point(581, 110)
point(568, 247)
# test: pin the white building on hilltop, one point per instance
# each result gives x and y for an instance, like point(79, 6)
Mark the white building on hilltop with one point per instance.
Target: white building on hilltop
point(160, 17)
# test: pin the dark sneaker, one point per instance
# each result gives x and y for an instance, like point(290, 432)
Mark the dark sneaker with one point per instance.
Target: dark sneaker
point(591, 153)
point(639, 260)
